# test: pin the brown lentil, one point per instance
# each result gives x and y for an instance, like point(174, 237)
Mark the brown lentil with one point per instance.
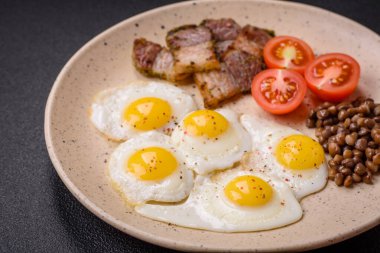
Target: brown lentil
point(323, 114)
point(367, 179)
point(376, 110)
point(343, 105)
point(357, 153)
point(333, 148)
point(346, 171)
point(356, 178)
point(348, 153)
point(342, 115)
point(310, 123)
point(338, 159)
point(360, 169)
point(332, 173)
point(357, 159)
point(353, 127)
point(339, 179)
point(361, 144)
point(348, 181)
point(371, 166)
point(376, 159)
point(350, 139)
point(333, 111)
point(350, 133)
point(363, 131)
point(372, 144)
point(369, 153)
point(370, 123)
point(348, 163)
point(340, 138)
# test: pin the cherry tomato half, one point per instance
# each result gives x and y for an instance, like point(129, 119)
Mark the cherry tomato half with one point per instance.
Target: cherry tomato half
point(279, 91)
point(333, 77)
point(287, 52)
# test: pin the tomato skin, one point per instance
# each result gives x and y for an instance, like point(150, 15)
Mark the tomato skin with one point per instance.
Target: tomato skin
point(329, 91)
point(276, 108)
point(273, 46)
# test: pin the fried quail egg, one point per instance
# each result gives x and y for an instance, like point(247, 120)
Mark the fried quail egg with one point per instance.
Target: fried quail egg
point(211, 140)
point(234, 200)
point(149, 168)
point(121, 113)
point(279, 150)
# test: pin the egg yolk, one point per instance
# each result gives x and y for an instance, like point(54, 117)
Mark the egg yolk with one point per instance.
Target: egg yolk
point(249, 191)
point(205, 123)
point(299, 152)
point(152, 163)
point(148, 113)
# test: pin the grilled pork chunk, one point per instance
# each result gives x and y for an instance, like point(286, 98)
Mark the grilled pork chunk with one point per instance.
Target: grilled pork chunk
point(241, 60)
point(153, 60)
point(216, 86)
point(242, 67)
point(252, 40)
point(221, 47)
point(144, 53)
point(192, 48)
point(222, 57)
point(234, 78)
point(222, 29)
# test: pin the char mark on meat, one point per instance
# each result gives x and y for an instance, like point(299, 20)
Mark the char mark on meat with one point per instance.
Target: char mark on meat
point(153, 60)
point(197, 58)
point(252, 40)
point(242, 67)
point(144, 54)
point(235, 77)
point(222, 29)
point(187, 35)
point(216, 86)
point(222, 46)
point(193, 49)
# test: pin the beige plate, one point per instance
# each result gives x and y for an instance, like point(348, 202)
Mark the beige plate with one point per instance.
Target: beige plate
point(79, 153)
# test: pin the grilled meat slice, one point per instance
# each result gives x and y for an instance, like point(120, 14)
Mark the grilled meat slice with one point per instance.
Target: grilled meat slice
point(192, 48)
point(153, 60)
point(252, 40)
point(222, 57)
point(222, 29)
point(234, 78)
point(163, 67)
point(241, 60)
point(242, 67)
point(163, 64)
point(221, 47)
point(144, 53)
point(187, 35)
point(216, 86)
point(197, 58)
point(257, 35)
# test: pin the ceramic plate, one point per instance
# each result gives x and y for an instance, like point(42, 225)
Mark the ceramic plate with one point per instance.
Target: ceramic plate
point(80, 154)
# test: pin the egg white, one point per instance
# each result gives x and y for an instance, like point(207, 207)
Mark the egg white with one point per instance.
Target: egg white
point(208, 209)
point(205, 155)
point(173, 188)
point(108, 106)
point(265, 137)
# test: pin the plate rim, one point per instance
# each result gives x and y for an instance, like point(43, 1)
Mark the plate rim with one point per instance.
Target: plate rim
point(141, 233)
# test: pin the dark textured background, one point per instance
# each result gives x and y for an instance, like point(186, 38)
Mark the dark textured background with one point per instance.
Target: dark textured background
point(37, 212)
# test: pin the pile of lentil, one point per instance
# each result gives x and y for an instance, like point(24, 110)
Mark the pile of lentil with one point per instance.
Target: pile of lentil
point(350, 133)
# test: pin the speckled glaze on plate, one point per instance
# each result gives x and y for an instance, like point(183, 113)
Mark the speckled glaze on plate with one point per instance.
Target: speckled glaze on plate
point(79, 153)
